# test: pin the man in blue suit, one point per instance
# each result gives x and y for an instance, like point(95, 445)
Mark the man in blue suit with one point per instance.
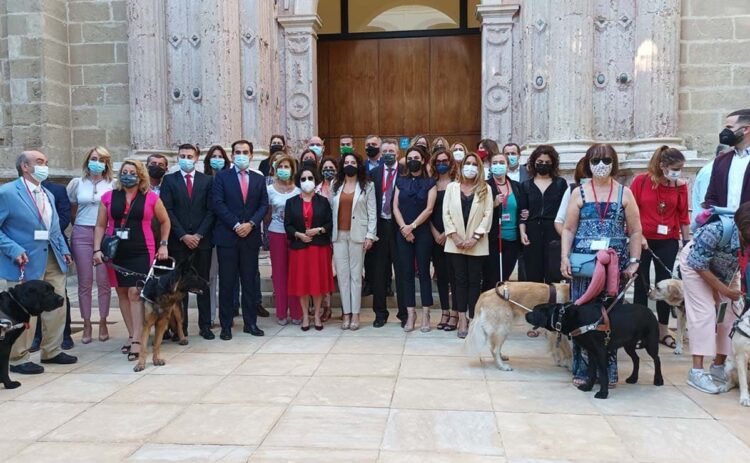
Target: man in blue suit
point(32, 247)
point(240, 201)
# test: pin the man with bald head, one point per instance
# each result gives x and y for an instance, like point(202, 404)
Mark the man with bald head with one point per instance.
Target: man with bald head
point(32, 247)
point(317, 146)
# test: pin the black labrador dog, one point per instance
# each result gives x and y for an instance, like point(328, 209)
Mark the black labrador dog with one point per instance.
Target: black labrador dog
point(630, 325)
point(17, 305)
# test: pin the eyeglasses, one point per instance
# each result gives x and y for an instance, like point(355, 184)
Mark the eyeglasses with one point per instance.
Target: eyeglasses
point(605, 161)
point(442, 163)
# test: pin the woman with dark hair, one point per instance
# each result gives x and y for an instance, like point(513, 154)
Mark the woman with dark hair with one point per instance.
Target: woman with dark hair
point(308, 223)
point(602, 215)
point(486, 149)
point(413, 203)
point(444, 172)
point(309, 159)
point(662, 198)
point(328, 170)
point(541, 195)
point(276, 146)
point(354, 230)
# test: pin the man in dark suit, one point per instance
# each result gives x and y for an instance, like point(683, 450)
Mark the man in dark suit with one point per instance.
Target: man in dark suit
point(187, 198)
point(240, 202)
point(384, 250)
point(730, 177)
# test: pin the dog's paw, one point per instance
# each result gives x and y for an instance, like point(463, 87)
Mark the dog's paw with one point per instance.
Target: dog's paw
point(139, 367)
point(745, 401)
point(183, 342)
point(631, 379)
point(659, 381)
point(11, 384)
point(504, 357)
point(586, 387)
point(505, 367)
point(725, 387)
point(678, 350)
point(601, 395)
point(159, 362)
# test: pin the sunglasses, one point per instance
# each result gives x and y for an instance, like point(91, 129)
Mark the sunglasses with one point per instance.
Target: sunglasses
point(442, 162)
point(303, 179)
point(605, 161)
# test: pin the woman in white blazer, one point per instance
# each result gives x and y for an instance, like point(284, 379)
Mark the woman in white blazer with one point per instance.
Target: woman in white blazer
point(354, 230)
point(467, 216)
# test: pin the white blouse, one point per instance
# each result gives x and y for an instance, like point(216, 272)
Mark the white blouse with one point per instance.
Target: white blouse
point(87, 195)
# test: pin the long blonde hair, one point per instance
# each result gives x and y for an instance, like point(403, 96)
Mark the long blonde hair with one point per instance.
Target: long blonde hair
point(140, 170)
point(105, 157)
point(480, 185)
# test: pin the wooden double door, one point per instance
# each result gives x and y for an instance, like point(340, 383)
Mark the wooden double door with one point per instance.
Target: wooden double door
point(400, 88)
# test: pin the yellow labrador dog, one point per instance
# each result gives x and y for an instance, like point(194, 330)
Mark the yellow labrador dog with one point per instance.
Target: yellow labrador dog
point(736, 366)
point(497, 308)
point(670, 291)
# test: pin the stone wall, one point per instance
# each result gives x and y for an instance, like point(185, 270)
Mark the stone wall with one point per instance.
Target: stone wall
point(714, 68)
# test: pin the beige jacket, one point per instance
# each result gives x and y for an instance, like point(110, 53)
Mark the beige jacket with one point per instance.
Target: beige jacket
point(480, 220)
point(364, 214)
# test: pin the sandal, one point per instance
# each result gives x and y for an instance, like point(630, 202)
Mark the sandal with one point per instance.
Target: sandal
point(579, 381)
point(532, 333)
point(125, 350)
point(326, 315)
point(672, 344)
point(451, 326)
point(444, 319)
point(133, 356)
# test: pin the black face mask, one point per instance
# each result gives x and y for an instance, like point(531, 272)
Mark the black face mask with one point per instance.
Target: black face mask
point(372, 151)
point(156, 172)
point(275, 148)
point(389, 159)
point(350, 171)
point(543, 169)
point(309, 163)
point(414, 165)
point(730, 138)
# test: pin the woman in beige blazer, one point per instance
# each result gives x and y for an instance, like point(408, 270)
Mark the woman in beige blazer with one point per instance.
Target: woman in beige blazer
point(354, 230)
point(467, 215)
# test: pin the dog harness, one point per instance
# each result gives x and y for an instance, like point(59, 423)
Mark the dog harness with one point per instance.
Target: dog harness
point(503, 292)
point(736, 325)
point(7, 324)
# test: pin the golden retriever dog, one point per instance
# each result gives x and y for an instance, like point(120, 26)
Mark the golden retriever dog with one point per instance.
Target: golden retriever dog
point(736, 366)
point(670, 291)
point(495, 312)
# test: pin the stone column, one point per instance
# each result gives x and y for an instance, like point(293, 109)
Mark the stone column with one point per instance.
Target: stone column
point(301, 83)
point(222, 103)
point(571, 76)
point(497, 70)
point(147, 69)
point(656, 79)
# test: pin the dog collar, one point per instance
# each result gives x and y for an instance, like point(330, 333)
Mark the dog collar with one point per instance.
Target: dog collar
point(12, 298)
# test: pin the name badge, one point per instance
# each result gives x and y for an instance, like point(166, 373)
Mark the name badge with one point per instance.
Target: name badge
point(600, 245)
point(41, 235)
point(662, 230)
point(123, 233)
point(506, 217)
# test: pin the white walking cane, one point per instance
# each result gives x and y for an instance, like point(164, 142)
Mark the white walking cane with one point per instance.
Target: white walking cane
point(500, 245)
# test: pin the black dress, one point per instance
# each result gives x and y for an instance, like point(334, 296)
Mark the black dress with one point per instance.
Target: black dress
point(137, 252)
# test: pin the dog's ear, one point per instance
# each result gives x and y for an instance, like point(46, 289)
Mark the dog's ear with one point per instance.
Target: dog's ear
point(674, 289)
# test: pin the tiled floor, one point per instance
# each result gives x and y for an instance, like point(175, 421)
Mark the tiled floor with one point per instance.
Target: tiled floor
point(375, 395)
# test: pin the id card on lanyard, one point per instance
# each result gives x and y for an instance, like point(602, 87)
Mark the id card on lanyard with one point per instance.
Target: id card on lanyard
point(42, 234)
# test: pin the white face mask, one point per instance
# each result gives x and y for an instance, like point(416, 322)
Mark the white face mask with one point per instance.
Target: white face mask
point(470, 171)
point(307, 186)
point(458, 155)
point(601, 170)
point(673, 174)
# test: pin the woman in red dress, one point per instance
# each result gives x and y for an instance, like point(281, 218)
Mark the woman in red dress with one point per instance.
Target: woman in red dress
point(308, 221)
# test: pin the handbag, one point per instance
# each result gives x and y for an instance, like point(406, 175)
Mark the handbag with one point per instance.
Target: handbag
point(110, 243)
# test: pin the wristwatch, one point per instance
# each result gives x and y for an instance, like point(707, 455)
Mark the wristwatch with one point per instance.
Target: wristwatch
point(634, 260)
point(163, 243)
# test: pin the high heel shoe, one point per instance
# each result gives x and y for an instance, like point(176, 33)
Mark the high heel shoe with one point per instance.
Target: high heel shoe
point(410, 321)
point(103, 331)
point(318, 327)
point(303, 327)
point(463, 333)
point(354, 324)
point(445, 317)
point(451, 326)
point(346, 322)
point(86, 337)
point(425, 328)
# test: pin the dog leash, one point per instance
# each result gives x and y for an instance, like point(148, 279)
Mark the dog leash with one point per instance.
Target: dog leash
point(605, 326)
point(661, 262)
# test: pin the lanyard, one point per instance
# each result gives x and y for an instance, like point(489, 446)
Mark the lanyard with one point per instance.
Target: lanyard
point(506, 193)
point(596, 201)
point(389, 180)
point(41, 211)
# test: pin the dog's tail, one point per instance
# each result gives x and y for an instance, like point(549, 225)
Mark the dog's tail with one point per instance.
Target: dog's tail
point(476, 340)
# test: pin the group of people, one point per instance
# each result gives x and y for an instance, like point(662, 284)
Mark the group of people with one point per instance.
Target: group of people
point(463, 217)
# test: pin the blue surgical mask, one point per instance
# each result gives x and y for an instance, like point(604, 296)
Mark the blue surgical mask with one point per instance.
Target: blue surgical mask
point(498, 169)
point(96, 167)
point(217, 163)
point(40, 173)
point(284, 173)
point(513, 160)
point(318, 150)
point(187, 165)
point(242, 161)
point(128, 180)
point(442, 168)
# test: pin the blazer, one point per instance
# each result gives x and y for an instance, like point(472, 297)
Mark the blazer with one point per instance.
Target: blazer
point(480, 217)
point(229, 209)
point(716, 195)
point(364, 214)
point(376, 175)
point(498, 211)
point(18, 220)
point(62, 203)
point(294, 221)
point(188, 215)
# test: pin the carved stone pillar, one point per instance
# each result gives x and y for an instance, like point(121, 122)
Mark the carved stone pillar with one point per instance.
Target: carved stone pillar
point(497, 70)
point(222, 110)
point(656, 79)
point(571, 75)
point(147, 68)
point(301, 84)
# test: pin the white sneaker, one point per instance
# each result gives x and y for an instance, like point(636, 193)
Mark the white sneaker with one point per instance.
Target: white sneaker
point(718, 373)
point(701, 380)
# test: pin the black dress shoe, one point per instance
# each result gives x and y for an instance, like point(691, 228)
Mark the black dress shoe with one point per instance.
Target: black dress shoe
point(207, 334)
point(61, 359)
point(379, 322)
point(262, 312)
point(175, 337)
point(28, 368)
point(225, 335)
point(254, 330)
point(67, 344)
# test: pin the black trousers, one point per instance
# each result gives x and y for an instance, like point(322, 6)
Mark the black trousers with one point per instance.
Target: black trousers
point(536, 254)
point(202, 265)
point(666, 250)
point(421, 251)
point(239, 260)
point(491, 268)
point(384, 257)
point(444, 274)
point(467, 271)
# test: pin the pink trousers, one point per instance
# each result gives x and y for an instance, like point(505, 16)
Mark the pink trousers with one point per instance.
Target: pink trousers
point(82, 248)
point(279, 247)
point(706, 337)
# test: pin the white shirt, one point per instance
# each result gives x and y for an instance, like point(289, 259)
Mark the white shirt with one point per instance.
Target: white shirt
point(185, 174)
point(88, 195)
point(700, 186)
point(563, 209)
point(514, 175)
point(39, 196)
point(740, 163)
point(277, 201)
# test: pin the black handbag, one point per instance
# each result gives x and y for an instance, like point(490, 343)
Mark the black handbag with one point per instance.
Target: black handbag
point(109, 243)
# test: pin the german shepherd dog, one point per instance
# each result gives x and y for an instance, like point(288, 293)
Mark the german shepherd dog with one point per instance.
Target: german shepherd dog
point(167, 294)
point(17, 305)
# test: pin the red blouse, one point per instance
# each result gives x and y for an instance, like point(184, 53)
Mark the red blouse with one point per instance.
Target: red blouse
point(663, 209)
point(307, 213)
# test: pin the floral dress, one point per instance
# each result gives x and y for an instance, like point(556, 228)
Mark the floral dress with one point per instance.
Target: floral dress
point(598, 220)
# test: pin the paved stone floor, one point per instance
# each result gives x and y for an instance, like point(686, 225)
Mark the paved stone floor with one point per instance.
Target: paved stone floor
point(375, 395)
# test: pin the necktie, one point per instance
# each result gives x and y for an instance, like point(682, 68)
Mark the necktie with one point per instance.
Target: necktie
point(189, 182)
point(388, 192)
point(41, 206)
point(243, 185)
